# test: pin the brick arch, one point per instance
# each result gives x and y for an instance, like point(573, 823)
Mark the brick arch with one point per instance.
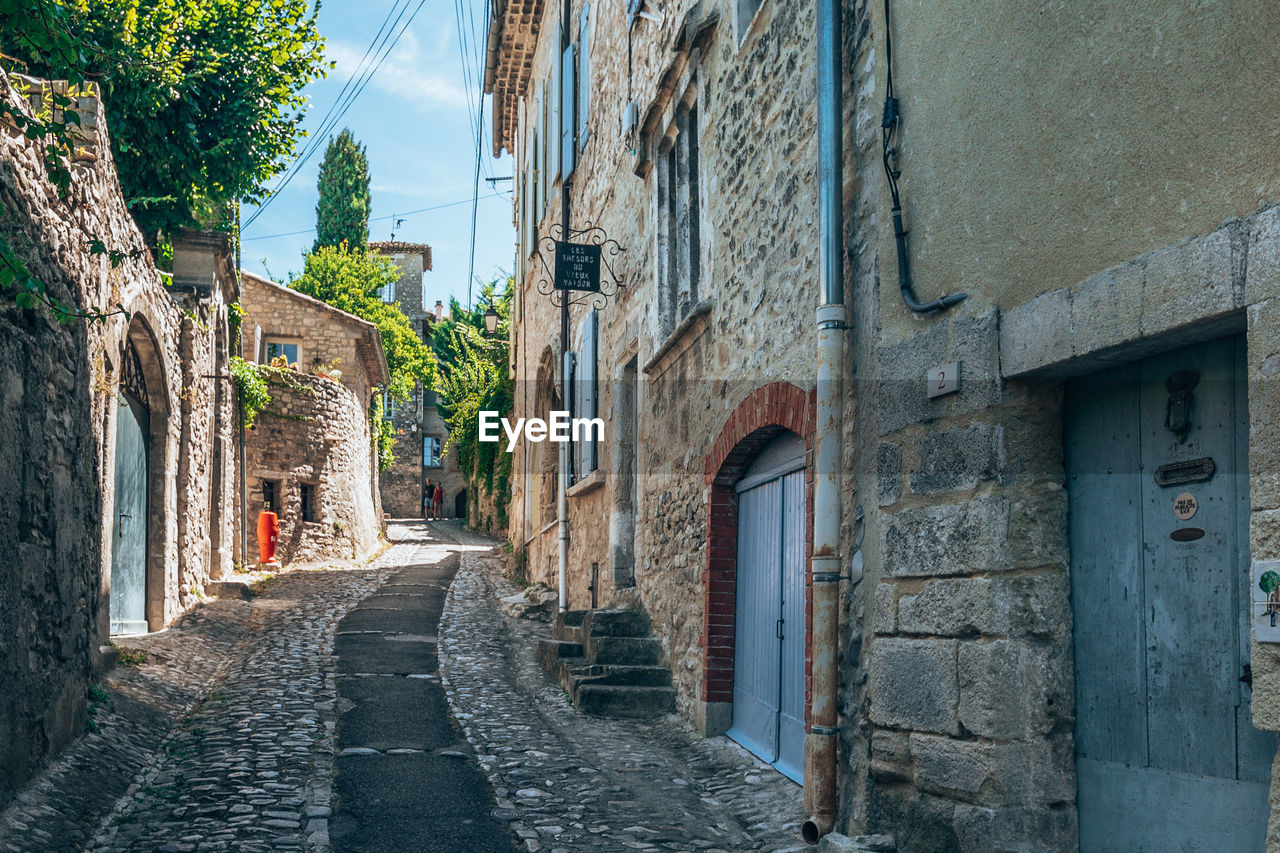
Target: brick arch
point(762, 416)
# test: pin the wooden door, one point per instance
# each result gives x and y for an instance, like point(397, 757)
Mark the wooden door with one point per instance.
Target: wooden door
point(769, 626)
point(1166, 755)
point(128, 602)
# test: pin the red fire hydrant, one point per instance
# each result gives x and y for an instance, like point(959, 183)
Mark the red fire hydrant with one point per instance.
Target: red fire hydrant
point(268, 533)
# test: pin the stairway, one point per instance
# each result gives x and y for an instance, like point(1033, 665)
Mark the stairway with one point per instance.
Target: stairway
point(608, 663)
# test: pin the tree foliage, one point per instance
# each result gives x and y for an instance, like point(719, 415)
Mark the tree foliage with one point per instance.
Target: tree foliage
point(203, 97)
point(342, 211)
point(473, 377)
point(44, 28)
point(350, 280)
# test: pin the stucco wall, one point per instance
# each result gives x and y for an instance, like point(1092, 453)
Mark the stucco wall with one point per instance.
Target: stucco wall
point(1045, 143)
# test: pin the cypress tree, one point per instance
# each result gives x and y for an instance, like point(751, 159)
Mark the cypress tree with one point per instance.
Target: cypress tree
point(342, 212)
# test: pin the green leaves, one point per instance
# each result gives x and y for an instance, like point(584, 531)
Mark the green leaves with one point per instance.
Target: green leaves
point(251, 389)
point(350, 280)
point(1269, 582)
point(472, 378)
point(342, 212)
point(203, 97)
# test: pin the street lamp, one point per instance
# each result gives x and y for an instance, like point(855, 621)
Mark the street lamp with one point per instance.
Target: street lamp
point(491, 320)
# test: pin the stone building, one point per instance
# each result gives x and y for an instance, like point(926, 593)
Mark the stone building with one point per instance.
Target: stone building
point(116, 445)
point(1048, 502)
point(421, 433)
point(310, 454)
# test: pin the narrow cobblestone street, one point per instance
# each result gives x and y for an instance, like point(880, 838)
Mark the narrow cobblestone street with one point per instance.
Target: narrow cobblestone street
point(314, 717)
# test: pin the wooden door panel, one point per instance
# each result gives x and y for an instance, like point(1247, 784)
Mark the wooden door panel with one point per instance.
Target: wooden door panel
point(1106, 568)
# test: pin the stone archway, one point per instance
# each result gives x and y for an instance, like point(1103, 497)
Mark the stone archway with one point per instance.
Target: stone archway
point(762, 416)
point(138, 527)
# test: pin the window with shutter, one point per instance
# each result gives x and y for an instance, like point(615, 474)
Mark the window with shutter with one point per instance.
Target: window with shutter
point(584, 74)
point(586, 392)
point(679, 220)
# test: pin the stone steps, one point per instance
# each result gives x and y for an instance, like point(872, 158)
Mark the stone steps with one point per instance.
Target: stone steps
point(608, 664)
point(623, 700)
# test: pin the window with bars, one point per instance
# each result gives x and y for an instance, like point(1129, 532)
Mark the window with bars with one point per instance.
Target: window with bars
point(308, 494)
point(679, 219)
point(271, 495)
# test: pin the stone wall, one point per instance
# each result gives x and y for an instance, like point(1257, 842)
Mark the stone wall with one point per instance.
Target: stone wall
point(957, 683)
point(60, 392)
point(402, 483)
point(314, 433)
point(757, 196)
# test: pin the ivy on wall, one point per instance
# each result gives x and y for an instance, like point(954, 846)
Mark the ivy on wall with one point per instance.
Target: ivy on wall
point(472, 377)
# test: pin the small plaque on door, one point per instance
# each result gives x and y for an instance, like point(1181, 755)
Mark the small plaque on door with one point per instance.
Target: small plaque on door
point(1181, 473)
point(1266, 601)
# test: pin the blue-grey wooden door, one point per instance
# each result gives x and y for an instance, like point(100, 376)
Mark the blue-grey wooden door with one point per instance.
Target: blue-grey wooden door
point(1166, 756)
point(128, 601)
point(768, 671)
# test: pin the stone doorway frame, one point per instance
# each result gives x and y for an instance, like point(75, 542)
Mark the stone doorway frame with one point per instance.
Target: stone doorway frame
point(141, 339)
point(758, 419)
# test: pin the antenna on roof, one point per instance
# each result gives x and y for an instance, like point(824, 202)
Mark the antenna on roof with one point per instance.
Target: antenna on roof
point(395, 223)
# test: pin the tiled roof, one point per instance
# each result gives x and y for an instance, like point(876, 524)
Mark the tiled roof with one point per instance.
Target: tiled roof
point(513, 38)
point(396, 247)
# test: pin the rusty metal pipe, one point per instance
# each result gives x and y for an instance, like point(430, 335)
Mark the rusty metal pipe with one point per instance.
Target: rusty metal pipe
point(820, 742)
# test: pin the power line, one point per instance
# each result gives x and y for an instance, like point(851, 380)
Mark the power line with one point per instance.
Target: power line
point(469, 200)
point(308, 149)
point(334, 118)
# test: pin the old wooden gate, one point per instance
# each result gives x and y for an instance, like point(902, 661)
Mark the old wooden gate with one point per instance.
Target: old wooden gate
point(128, 606)
point(1157, 478)
point(768, 665)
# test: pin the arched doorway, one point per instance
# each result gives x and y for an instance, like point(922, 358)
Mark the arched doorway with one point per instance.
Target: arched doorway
point(769, 634)
point(128, 603)
point(460, 505)
point(755, 639)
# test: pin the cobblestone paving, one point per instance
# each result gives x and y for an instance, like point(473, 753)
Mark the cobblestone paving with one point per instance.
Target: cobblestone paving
point(222, 739)
point(250, 767)
point(573, 782)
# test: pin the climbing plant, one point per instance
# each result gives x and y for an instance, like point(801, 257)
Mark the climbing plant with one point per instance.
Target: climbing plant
point(473, 377)
point(383, 433)
point(251, 389)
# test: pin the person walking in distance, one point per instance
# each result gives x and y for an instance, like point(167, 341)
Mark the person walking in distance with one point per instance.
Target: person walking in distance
point(439, 500)
point(428, 499)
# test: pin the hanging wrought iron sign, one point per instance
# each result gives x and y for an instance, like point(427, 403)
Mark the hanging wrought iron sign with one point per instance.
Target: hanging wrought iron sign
point(577, 266)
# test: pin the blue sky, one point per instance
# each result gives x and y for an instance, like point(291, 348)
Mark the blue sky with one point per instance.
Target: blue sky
point(414, 121)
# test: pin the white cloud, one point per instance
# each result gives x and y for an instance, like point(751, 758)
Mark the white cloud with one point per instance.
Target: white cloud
point(405, 73)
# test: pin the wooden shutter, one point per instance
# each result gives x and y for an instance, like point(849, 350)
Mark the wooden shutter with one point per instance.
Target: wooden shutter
point(556, 116)
point(587, 392)
point(584, 74)
point(568, 124)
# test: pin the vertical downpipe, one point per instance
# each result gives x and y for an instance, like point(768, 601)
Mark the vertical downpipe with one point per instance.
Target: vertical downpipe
point(566, 358)
point(820, 743)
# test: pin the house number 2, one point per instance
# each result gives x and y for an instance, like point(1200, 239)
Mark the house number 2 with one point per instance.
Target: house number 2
point(942, 380)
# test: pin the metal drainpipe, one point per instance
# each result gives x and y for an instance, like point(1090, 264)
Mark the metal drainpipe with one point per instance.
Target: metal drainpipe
point(566, 357)
point(821, 743)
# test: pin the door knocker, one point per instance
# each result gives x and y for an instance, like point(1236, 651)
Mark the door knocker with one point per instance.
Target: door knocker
point(1177, 415)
